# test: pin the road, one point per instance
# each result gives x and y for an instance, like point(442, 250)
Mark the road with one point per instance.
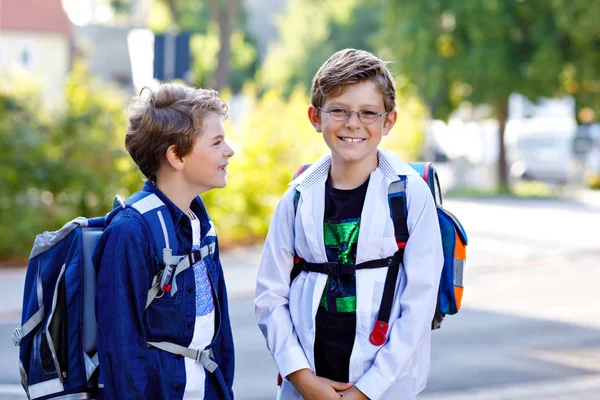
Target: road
point(529, 328)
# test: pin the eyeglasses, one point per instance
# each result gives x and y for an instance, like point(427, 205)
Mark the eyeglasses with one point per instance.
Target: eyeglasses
point(342, 114)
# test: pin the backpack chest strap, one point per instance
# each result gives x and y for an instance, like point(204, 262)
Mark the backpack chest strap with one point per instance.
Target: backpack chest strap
point(337, 269)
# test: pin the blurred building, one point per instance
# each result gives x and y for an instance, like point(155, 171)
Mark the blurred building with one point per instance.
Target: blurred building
point(105, 51)
point(35, 37)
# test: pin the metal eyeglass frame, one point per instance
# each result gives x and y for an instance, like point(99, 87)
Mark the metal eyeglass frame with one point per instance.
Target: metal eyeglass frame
point(349, 113)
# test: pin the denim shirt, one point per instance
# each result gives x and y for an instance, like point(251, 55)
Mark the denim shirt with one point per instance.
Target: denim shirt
point(126, 263)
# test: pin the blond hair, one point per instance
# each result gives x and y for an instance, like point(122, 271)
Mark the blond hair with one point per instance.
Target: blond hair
point(173, 114)
point(350, 66)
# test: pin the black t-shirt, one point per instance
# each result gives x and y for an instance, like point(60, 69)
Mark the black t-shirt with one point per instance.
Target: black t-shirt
point(336, 316)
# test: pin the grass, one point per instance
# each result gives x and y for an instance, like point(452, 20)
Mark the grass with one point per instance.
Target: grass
point(523, 189)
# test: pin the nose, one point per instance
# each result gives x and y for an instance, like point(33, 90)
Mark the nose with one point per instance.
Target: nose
point(353, 120)
point(229, 152)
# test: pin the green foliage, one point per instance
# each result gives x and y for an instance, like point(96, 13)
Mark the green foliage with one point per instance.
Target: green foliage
point(482, 51)
point(60, 165)
point(194, 16)
point(271, 142)
point(312, 31)
point(204, 49)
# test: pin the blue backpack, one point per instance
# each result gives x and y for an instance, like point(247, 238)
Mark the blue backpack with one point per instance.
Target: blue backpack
point(57, 337)
point(454, 242)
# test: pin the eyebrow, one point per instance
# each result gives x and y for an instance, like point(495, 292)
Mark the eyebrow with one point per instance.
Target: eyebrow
point(219, 136)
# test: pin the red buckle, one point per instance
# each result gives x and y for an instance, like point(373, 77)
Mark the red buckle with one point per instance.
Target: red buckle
point(279, 380)
point(379, 333)
point(166, 288)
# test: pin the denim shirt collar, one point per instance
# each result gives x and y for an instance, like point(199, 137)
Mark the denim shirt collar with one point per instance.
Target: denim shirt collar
point(177, 214)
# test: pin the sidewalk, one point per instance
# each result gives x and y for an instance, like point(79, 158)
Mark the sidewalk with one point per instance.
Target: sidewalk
point(584, 388)
point(240, 268)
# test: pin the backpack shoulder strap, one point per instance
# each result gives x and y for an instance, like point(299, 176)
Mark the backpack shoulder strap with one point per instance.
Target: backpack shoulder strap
point(156, 214)
point(399, 210)
point(301, 169)
point(398, 213)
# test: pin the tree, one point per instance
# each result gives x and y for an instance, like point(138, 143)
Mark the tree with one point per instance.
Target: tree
point(218, 32)
point(225, 13)
point(310, 32)
point(197, 16)
point(482, 51)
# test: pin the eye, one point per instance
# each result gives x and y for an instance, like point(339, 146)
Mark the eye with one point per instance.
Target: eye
point(368, 113)
point(218, 142)
point(339, 111)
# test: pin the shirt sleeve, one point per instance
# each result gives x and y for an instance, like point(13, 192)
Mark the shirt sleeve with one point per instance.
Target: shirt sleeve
point(122, 258)
point(423, 262)
point(273, 288)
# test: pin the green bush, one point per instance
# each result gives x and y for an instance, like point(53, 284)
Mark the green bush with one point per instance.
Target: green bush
point(60, 164)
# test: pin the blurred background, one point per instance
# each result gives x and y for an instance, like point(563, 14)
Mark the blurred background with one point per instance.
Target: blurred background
point(502, 95)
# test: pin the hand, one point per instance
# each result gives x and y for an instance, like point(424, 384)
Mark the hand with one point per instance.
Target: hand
point(313, 387)
point(353, 394)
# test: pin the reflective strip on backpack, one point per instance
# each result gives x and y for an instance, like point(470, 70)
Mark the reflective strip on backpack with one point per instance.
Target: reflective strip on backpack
point(35, 319)
point(164, 229)
point(46, 240)
point(91, 363)
point(57, 366)
point(148, 203)
point(200, 356)
point(459, 266)
point(45, 388)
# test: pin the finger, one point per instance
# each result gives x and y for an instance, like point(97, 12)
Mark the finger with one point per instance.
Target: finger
point(339, 386)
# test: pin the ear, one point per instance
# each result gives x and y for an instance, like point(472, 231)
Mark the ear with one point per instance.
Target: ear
point(173, 159)
point(389, 122)
point(315, 118)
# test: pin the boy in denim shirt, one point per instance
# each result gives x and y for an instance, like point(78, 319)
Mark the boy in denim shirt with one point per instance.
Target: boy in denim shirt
point(177, 139)
point(319, 323)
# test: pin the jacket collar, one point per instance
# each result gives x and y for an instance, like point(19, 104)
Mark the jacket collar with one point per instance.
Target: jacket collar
point(390, 165)
point(176, 213)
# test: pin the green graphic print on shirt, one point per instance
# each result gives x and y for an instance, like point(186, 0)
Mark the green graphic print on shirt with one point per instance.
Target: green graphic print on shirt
point(341, 239)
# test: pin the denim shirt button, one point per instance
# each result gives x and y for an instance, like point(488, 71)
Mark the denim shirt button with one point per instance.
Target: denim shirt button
point(178, 387)
point(189, 325)
point(190, 289)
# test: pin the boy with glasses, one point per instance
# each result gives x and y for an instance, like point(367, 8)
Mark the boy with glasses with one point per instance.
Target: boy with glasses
point(332, 242)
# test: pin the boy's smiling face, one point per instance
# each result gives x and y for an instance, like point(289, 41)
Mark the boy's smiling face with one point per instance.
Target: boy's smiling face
point(205, 167)
point(353, 142)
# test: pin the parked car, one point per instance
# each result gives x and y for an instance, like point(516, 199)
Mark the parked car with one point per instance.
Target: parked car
point(586, 149)
point(541, 149)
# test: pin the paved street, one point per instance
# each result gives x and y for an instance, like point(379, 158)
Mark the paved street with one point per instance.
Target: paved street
point(529, 329)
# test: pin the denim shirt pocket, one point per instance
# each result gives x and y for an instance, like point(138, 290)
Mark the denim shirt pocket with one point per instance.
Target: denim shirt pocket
point(166, 299)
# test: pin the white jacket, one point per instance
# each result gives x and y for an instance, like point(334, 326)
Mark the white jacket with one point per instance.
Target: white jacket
point(397, 370)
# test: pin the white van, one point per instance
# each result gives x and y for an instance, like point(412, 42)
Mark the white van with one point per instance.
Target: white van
point(541, 149)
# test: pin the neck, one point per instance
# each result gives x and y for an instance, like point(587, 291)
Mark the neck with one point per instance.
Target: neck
point(347, 176)
point(177, 192)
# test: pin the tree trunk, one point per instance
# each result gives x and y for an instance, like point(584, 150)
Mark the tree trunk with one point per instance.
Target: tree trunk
point(173, 10)
point(501, 110)
point(224, 13)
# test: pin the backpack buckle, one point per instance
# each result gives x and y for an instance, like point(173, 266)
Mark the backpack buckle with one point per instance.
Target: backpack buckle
point(17, 336)
point(203, 357)
point(379, 333)
point(332, 269)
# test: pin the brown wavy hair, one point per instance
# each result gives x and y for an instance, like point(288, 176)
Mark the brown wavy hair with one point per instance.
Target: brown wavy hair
point(350, 66)
point(173, 114)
